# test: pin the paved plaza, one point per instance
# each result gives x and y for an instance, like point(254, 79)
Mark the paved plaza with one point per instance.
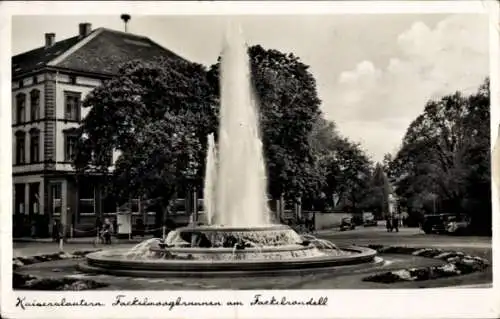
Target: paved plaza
point(335, 279)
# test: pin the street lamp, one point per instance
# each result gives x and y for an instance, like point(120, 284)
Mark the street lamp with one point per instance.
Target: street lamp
point(191, 173)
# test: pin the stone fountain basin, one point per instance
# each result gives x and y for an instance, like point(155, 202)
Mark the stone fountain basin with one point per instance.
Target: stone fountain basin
point(115, 263)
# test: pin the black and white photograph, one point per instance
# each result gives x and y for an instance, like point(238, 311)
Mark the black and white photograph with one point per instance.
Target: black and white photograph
point(248, 152)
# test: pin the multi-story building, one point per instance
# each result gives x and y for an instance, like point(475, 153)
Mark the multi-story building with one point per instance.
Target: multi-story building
point(48, 86)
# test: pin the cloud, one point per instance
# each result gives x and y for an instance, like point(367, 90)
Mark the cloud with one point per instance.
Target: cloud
point(430, 62)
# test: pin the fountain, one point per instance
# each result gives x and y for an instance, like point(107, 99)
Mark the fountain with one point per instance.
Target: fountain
point(239, 237)
point(210, 175)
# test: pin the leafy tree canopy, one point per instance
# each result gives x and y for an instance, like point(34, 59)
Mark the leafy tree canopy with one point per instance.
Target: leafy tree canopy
point(445, 153)
point(157, 116)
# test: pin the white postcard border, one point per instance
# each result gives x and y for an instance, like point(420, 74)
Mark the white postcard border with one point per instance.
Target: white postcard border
point(443, 303)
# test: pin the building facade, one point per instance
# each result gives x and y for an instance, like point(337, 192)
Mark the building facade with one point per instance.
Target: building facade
point(48, 86)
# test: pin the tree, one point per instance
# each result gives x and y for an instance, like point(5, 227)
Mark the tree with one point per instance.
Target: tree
point(377, 198)
point(289, 108)
point(445, 152)
point(157, 115)
point(347, 172)
point(386, 162)
point(324, 137)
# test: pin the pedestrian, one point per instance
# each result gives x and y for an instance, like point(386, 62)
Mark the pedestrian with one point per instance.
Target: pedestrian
point(98, 224)
point(395, 223)
point(115, 226)
point(107, 231)
point(140, 227)
point(56, 230)
point(388, 224)
point(33, 229)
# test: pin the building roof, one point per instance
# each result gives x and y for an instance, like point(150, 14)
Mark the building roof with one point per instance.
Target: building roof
point(101, 52)
point(38, 58)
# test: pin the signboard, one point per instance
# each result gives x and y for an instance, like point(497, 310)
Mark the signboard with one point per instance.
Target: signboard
point(124, 221)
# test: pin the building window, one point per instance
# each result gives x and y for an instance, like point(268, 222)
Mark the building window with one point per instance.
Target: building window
point(86, 197)
point(20, 108)
point(108, 204)
point(34, 146)
point(20, 147)
point(72, 79)
point(35, 79)
point(56, 190)
point(34, 191)
point(21, 84)
point(70, 146)
point(19, 191)
point(35, 105)
point(72, 106)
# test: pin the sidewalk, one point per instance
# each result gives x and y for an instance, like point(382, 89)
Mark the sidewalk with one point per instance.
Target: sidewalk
point(135, 239)
point(80, 240)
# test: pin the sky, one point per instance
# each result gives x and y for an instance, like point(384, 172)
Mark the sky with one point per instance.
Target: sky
point(374, 72)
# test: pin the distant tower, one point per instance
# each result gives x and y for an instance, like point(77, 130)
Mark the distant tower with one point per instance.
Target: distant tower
point(125, 17)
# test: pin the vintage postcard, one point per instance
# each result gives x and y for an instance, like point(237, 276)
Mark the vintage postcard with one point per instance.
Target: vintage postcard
point(249, 159)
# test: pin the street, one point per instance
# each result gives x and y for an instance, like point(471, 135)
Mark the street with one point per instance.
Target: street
point(359, 236)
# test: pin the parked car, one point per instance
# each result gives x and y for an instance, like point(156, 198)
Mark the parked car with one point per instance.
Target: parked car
point(347, 223)
point(370, 222)
point(458, 225)
point(445, 223)
point(435, 223)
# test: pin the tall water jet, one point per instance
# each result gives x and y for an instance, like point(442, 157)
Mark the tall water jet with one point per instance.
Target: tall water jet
point(210, 178)
point(241, 182)
point(239, 238)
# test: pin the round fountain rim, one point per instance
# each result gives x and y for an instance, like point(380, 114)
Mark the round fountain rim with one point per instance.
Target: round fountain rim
point(235, 229)
point(217, 250)
point(95, 263)
point(100, 257)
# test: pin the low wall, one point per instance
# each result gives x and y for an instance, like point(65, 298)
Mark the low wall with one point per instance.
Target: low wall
point(327, 220)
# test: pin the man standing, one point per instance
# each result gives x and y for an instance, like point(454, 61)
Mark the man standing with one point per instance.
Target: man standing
point(388, 223)
point(395, 223)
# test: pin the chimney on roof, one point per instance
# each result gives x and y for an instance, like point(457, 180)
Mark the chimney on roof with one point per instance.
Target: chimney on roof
point(50, 39)
point(125, 17)
point(84, 29)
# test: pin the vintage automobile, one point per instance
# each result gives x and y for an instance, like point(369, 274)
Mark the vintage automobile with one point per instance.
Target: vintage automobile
point(347, 223)
point(458, 225)
point(445, 223)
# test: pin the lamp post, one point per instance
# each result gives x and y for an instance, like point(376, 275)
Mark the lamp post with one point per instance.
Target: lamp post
point(190, 174)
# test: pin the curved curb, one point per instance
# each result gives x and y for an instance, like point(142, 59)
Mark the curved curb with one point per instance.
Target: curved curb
point(97, 262)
